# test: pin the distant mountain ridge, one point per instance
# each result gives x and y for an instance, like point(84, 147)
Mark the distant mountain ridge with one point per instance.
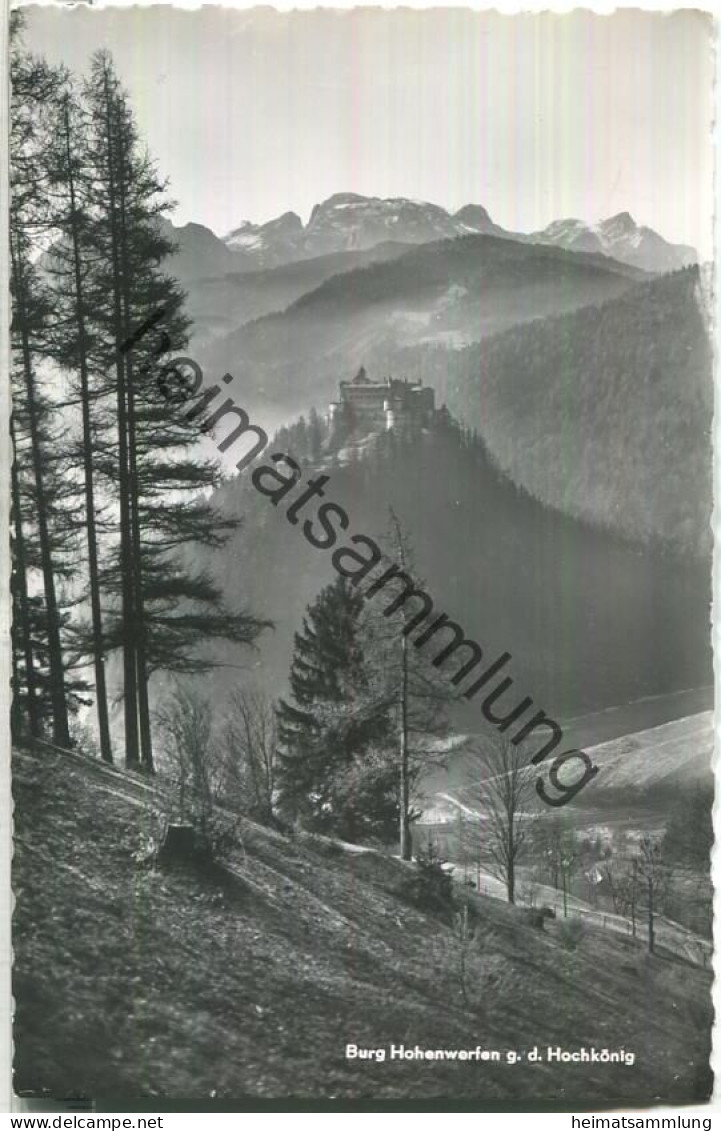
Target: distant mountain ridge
point(621, 238)
point(347, 221)
point(350, 222)
point(449, 292)
point(261, 269)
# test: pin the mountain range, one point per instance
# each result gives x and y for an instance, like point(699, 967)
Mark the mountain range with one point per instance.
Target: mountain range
point(575, 340)
point(259, 269)
point(569, 490)
point(351, 222)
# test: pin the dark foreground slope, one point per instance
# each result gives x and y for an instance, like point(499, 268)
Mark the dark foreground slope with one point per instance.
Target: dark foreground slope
point(137, 982)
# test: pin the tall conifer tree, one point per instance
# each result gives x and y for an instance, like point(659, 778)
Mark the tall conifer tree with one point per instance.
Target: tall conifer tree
point(332, 730)
point(70, 270)
point(167, 609)
point(35, 85)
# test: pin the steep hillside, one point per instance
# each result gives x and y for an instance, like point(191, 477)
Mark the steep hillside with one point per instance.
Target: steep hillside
point(604, 413)
point(641, 774)
point(247, 984)
point(451, 292)
point(578, 609)
point(675, 753)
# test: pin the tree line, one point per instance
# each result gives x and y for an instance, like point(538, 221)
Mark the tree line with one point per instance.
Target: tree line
point(108, 487)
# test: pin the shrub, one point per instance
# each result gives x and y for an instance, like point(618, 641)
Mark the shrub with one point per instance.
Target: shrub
point(83, 740)
point(570, 932)
point(217, 835)
point(430, 887)
point(193, 776)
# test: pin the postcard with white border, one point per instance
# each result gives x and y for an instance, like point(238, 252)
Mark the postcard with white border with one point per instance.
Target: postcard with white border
point(360, 508)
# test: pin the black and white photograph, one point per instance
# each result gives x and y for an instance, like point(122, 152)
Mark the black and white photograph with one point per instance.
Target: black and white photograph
point(361, 494)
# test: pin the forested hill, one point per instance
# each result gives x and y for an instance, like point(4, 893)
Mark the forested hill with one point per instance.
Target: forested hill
point(579, 609)
point(604, 413)
point(451, 292)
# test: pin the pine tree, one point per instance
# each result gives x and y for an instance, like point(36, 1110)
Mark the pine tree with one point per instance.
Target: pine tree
point(87, 250)
point(333, 770)
point(35, 444)
point(167, 611)
point(69, 267)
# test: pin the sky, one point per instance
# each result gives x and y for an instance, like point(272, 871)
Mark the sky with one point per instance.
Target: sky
point(252, 113)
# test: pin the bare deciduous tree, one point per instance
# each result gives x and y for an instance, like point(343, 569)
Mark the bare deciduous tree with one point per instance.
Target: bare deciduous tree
point(622, 879)
point(191, 764)
point(406, 683)
point(655, 878)
point(504, 794)
point(250, 743)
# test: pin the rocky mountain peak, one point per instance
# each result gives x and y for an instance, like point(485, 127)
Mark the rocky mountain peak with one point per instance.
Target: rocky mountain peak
point(349, 221)
point(622, 224)
point(474, 217)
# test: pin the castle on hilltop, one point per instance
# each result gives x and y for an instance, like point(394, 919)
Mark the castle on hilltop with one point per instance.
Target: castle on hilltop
point(392, 403)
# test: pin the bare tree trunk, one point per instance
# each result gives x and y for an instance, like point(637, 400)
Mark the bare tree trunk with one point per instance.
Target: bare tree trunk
point(651, 937)
point(141, 672)
point(406, 839)
point(511, 874)
point(22, 605)
point(126, 556)
point(101, 695)
point(61, 731)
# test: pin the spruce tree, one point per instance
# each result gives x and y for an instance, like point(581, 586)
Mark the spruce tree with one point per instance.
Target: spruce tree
point(333, 770)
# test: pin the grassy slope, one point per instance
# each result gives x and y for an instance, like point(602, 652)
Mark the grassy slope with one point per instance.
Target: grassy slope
point(676, 753)
point(134, 982)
